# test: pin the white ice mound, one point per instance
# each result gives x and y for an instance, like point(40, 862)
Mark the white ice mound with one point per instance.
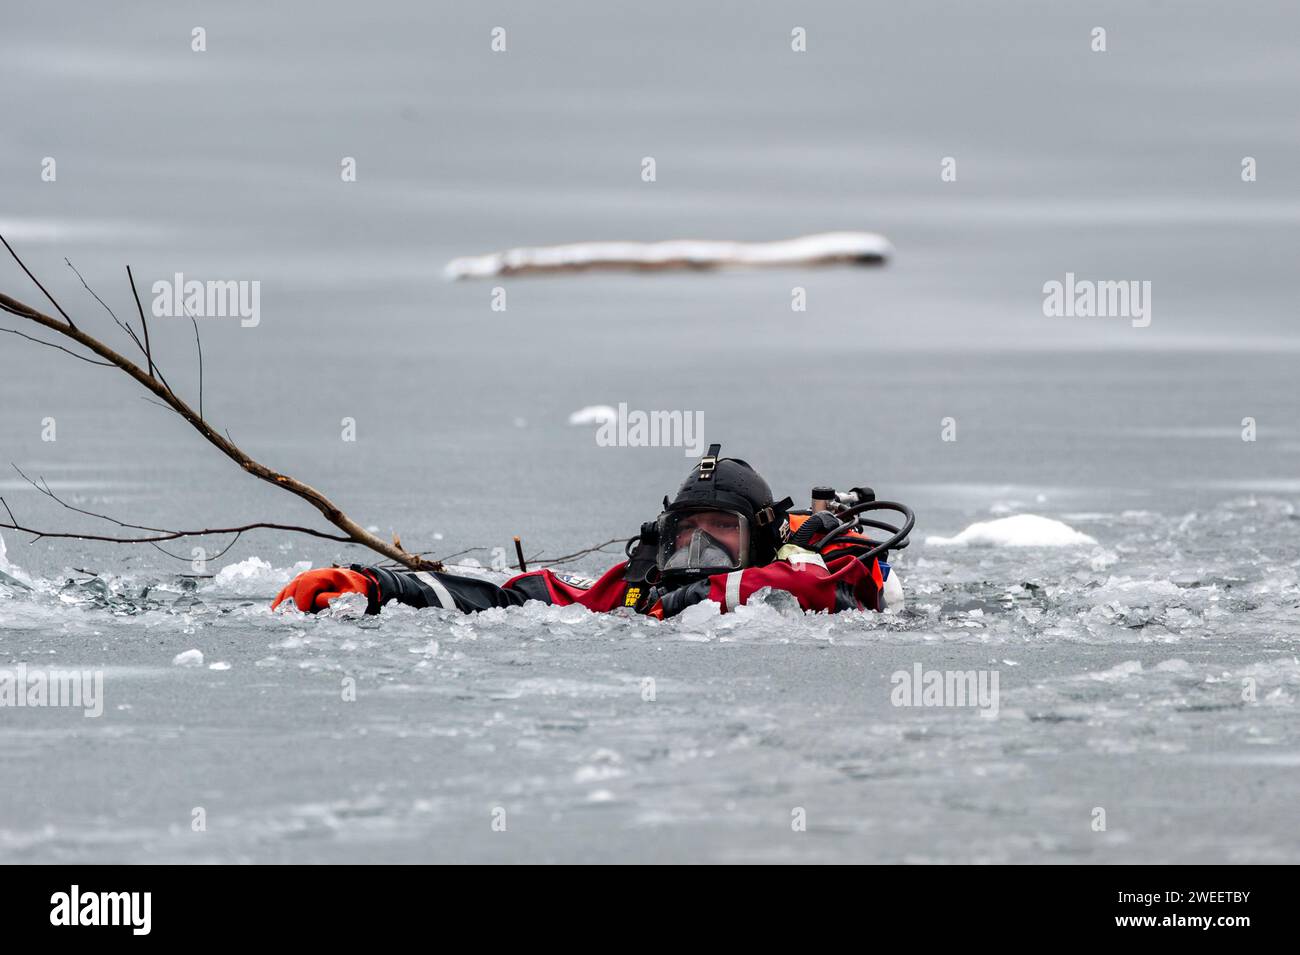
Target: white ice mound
point(1022, 530)
point(8, 569)
point(253, 575)
point(592, 414)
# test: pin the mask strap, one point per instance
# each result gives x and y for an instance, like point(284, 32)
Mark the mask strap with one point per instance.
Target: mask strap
point(768, 514)
point(709, 462)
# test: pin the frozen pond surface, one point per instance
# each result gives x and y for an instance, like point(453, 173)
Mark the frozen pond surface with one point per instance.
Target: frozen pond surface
point(1121, 663)
point(1121, 687)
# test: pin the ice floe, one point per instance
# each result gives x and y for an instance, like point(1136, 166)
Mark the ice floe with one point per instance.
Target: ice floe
point(1020, 530)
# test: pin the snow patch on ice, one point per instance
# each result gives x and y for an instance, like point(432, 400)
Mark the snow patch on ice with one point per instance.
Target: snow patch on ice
point(253, 575)
point(1021, 530)
point(593, 414)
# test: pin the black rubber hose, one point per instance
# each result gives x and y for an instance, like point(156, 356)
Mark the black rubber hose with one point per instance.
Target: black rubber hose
point(883, 547)
point(837, 533)
point(813, 525)
point(852, 546)
point(878, 525)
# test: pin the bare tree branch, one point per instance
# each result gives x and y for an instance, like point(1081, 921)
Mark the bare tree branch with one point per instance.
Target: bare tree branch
point(354, 532)
point(43, 487)
point(161, 534)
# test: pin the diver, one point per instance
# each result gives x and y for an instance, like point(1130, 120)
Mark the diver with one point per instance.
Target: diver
point(724, 537)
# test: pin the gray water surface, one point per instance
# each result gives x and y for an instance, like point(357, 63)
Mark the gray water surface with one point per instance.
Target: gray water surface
point(1122, 663)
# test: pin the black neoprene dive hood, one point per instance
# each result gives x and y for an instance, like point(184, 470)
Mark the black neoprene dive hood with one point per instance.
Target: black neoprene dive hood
point(730, 484)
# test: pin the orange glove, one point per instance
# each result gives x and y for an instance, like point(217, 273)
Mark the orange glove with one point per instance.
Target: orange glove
point(314, 589)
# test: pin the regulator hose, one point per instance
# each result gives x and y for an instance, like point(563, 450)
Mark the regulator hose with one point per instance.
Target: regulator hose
point(820, 522)
point(896, 541)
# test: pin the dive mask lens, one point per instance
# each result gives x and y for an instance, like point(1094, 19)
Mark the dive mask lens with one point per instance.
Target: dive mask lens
point(703, 542)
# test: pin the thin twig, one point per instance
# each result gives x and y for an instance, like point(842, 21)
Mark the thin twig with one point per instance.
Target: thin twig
point(563, 559)
point(38, 282)
point(11, 331)
point(217, 556)
point(148, 354)
point(198, 344)
point(111, 314)
point(459, 553)
point(125, 326)
point(86, 286)
point(45, 489)
point(584, 552)
point(173, 535)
